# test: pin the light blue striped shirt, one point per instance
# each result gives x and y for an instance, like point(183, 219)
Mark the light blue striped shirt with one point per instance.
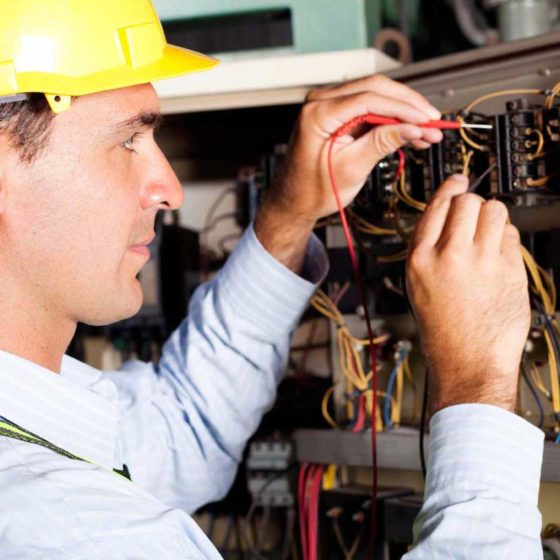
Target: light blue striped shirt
point(181, 428)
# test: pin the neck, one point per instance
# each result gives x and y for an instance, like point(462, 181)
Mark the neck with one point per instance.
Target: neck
point(33, 331)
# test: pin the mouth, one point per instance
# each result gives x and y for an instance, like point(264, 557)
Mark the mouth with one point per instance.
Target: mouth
point(142, 247)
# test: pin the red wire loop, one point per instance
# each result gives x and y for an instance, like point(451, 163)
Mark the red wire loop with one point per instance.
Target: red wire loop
point(344, 129)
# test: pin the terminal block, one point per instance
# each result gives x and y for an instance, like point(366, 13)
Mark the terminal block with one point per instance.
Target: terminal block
point(518, 134)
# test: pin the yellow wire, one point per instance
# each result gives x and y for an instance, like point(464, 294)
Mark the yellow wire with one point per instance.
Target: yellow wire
point(550, 99)
point(553, 366)
point(540, 144)
point(400, 256)
point(548, 298)
point(403, 196)
point(325, 408)
point(366, 227)
point(542, 182)
point(501, 93)
point(481, 99)
point(535, 374)
point(467, 163)
point(470, 141)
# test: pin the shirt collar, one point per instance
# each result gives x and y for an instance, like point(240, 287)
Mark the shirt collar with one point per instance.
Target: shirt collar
point(76, 410)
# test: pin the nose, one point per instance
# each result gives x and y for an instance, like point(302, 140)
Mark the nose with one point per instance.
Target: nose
point(160, 186)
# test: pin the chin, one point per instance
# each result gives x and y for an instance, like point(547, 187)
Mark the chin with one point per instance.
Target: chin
point(115, 311)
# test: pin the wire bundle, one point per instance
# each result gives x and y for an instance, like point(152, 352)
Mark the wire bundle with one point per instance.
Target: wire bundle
point(309, 491)
point(543, 292)
point(350, 363)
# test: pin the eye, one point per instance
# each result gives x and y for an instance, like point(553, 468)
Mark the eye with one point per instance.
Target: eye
point(127, 144)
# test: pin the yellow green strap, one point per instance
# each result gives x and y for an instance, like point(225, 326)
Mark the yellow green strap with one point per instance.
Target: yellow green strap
point(15, 432)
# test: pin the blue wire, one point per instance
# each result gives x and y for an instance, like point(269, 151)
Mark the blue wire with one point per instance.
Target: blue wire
point(388, 394)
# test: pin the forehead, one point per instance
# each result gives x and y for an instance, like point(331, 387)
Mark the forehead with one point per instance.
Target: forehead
point(109, 111)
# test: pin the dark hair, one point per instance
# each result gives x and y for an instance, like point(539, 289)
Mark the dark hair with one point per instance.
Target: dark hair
point(27, 125)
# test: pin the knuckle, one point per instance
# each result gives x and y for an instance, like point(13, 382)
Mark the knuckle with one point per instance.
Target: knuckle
point(452, 186)
point(384, 141)
point(438, 202)
point(378, 80)
point(417, 260)
point(451, 257)
point(308, 111)
point(496, 208)
point(314, 94)
point(469, 199)
point(513, 233)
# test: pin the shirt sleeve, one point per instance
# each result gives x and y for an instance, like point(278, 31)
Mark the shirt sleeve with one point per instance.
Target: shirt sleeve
point(481, 496)
point(186, 423)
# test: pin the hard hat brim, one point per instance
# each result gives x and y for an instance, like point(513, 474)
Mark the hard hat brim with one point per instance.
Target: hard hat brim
point(176, 61)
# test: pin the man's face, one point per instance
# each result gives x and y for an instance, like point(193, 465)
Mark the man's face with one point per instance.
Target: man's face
point(72, 224)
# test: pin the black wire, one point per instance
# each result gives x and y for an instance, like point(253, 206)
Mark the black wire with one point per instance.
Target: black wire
point(424, 412)
point(534, 393)
point(423, 422)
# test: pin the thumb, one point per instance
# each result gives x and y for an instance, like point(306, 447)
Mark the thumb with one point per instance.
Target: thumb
point(368, 150)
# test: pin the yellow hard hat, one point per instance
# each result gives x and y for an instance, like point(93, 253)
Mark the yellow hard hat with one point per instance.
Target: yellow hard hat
point(66, 48)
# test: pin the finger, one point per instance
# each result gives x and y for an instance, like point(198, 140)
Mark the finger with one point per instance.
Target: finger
point(432, 135)
point(431, 224)
point(379, 84)
point(429, 136)
point(366, 152)
point(332, 114)
point(421, 145)
point(511, 242)
point(462, 220)
point(491, 226)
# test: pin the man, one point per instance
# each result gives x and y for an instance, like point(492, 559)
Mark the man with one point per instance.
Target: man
point(81, 181)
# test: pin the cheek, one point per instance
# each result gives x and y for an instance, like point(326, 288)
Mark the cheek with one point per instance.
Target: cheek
point(78, 220)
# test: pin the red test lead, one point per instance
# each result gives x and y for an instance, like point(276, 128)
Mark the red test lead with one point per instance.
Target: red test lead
point(378, 120)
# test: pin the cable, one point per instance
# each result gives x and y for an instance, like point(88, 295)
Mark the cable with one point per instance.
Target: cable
point(366, 227)
point(535, 375)
point(423, 416)
point(387, 405)
point(325, 409)
point(302, 513)
point(467, 163)
point(400, 187)
point(540, 144)
point(340, 132)
point(535, 395)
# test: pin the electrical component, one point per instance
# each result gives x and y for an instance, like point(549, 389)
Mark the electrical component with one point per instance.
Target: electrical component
point(269, 480)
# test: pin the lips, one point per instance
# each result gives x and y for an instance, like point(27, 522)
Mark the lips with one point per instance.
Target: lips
point(146, 241)
point(142, 247)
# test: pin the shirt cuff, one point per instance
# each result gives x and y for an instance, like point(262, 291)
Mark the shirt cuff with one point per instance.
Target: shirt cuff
point(263, 290)
point(487, 445)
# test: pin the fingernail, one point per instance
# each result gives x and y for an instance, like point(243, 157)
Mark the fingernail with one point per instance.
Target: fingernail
point(434, 113)
point(460, 178)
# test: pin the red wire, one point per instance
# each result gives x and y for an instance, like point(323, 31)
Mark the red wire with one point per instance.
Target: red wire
point(345, 129)
point(400, 168)
point(313, 514)
point(302, 512)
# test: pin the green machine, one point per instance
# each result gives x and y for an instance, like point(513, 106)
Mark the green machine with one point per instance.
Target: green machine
point(317, 25)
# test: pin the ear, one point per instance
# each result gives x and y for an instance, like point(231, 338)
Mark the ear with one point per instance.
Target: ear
point(6, 160)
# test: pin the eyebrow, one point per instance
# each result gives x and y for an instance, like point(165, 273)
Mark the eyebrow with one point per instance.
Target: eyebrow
point(145, 119)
